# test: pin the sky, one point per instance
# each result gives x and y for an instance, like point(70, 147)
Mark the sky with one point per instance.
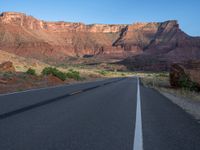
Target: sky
point(111, 11)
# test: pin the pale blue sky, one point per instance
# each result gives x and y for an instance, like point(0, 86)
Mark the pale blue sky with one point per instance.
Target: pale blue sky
point(111, 11)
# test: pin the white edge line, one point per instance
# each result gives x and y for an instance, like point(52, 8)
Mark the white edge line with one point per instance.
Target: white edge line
point(138, 138)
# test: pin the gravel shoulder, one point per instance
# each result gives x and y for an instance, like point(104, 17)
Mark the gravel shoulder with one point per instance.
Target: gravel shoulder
point(190, 106)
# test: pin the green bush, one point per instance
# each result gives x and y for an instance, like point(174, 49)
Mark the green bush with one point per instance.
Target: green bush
point(103, 72)
point(122, 74)
point(73, 74)
point(187, 84)
point(48, 70)
point(184, 82)
point(31, 71)
point(7, 74)
point(55, 72)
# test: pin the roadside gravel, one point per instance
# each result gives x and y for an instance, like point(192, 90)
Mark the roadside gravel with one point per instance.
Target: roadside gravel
point(190, 106)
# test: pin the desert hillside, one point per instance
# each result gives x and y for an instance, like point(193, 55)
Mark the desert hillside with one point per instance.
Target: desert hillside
point(22, 64)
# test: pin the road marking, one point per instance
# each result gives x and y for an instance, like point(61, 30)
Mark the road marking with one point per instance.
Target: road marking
point(138, 139)
point(77, 92)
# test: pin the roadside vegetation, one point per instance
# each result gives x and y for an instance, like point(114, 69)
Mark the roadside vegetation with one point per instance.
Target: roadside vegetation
point(71, 74)
point(103, 72)
point(161, 82)
point(186, 84)
point(31, 71)
point(55, 72)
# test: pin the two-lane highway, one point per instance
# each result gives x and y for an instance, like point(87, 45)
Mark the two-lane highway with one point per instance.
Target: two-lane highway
point(102, 115)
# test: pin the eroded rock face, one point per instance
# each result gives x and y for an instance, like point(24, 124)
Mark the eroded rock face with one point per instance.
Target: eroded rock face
point(185, 75)
point(168, 45)
point(7, 67)
point(27, 36)
point(30, 22)
point(137, 36)
point(155, 44)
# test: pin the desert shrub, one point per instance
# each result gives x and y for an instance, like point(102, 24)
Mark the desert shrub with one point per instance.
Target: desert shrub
point(194, 87)
point(8, 74)
point(187, 84)
point(55, 72)
point(184, 81)
point(31, 71)
point(162, 75)
point(103, 72)
point(122, 74)
point(73, 74)
point(48, 70)
point(60, 75)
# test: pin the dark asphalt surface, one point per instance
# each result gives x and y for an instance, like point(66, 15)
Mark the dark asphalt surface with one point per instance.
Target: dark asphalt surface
point(165, 125)
point(94, 116)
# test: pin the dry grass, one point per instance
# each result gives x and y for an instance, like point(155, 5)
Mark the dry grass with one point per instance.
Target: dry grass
point(160, 81)
point(22, 64)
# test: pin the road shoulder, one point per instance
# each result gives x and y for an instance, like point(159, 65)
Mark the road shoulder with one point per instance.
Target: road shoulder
point(190, 106)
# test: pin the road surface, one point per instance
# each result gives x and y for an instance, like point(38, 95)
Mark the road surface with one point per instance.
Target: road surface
point(112, 114)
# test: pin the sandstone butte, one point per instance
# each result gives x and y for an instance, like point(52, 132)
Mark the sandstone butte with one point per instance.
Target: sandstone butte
point(142, 46)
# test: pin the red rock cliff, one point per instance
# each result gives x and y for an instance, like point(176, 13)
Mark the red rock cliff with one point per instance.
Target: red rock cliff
point(27, 36)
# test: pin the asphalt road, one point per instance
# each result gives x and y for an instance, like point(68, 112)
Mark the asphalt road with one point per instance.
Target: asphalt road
point(104, 115)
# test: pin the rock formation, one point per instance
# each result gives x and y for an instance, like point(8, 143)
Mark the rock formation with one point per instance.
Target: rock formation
point(27, 36)
point(147, 46)
point(7, 67)
point(168, 45)
point(186, 75)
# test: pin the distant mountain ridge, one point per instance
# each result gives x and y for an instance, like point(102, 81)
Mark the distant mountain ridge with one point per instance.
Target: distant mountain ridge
point(161, 42)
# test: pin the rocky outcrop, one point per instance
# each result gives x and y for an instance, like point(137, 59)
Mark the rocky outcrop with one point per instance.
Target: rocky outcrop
point(137, 36)
point(143, 62)
point(186, 75)
point(147, 46)
point(7, 67)
point(176, 72)
point(168, 45)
